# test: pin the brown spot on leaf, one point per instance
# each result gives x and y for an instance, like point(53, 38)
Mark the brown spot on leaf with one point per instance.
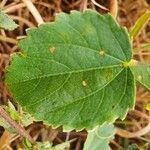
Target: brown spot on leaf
point(84, 83)
point(102, 52)
point(22, 54)
point(139, 77)
point(52, 50)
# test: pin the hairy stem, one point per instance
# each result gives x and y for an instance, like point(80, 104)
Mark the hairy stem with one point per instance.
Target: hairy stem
point(14, 124)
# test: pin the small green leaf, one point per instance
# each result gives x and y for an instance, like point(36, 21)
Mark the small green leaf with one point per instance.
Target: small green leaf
point(133, 147)
point(148, 106)
point(42, 146)
point(100, 138)
point(12, 111)
point(25, 118)
point(139, 24)
point(72, 71)
point(48, 146)
point(6, 22)
point(62, 146)
point(26, 143)
point(142, 74)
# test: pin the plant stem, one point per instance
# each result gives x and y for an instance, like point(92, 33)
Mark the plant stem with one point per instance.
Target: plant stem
point(14, 124)
point(34, 11)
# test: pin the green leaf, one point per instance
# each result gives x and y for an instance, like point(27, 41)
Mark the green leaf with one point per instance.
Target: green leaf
point(24, 118)
point(42, 146)
point(99, 138)
point(12, 111)
point(133, 147)
point(6, 22)
point(139, 24)
point(26, 144)
point(142, 74)
point(62, 146)
point(46, 145)
point(71, 71)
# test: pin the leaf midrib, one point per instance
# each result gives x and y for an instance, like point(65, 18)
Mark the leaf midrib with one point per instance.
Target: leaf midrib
point(64, 73)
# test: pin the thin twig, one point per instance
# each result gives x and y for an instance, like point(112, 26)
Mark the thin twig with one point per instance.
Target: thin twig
point(100, 6)
point(78, 145)
point(7, 39)
point(67, 136)
point(83, 6)
point(13, 8)
point(127, 134)
point(2, 4)
point(116, 144)
point(28, 23)
point(18, 127)
point(34, 11)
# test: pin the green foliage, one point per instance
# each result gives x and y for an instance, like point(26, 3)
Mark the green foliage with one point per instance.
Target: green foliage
point(133, 147)
point(12, 111)
point(6, 22)
point(140, 24)
point(45, 145)
point(24, 118)
point(72, 71)
point(142, 74)
point(77, 72)
point(99, 138)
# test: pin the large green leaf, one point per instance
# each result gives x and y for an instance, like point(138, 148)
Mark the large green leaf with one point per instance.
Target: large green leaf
point(99, 138)
point(6, 22)
point(71, 72)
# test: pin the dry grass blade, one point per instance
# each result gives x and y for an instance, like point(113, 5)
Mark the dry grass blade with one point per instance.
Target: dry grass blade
point(127, 134)
point(113, 7)
point(34, 11)
point(5, 139)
